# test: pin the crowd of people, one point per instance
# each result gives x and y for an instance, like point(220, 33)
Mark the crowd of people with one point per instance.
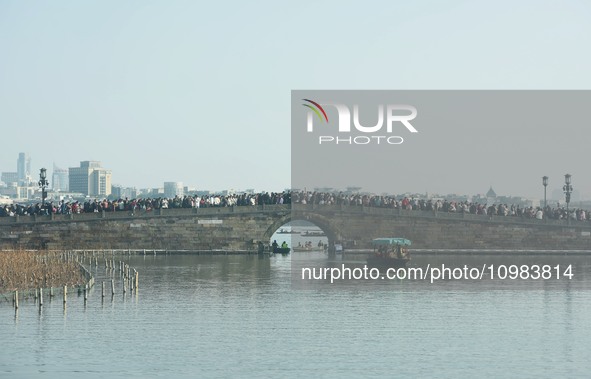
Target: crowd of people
point(145, 204)
point(451, 206)
point(297, 197)
point(447, 206)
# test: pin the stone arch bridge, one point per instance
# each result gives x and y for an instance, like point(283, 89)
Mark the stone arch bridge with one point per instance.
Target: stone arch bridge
point(239, 228)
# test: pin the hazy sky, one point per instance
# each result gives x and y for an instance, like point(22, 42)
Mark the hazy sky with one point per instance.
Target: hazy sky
point(505, 138)
point(199, 92)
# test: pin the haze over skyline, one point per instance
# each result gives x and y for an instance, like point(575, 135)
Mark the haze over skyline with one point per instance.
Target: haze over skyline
point(200, 93)
point(554, 193)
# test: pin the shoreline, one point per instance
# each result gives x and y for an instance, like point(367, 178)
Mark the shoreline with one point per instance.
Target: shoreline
point(103, 253)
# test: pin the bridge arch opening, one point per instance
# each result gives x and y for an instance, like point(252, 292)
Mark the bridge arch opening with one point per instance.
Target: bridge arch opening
point(301, 223)
point(301, 235)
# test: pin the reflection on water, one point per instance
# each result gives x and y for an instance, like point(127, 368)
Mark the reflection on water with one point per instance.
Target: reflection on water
point(240, 316)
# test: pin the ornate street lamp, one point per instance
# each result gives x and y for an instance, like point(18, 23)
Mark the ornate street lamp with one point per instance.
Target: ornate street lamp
point(568, 189)
point(43, 183)
point(545, 184)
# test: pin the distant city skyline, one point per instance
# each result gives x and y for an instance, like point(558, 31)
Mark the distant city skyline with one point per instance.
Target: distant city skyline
point(553, 193)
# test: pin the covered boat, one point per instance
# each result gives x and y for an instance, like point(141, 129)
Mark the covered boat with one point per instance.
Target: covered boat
point(389, 252)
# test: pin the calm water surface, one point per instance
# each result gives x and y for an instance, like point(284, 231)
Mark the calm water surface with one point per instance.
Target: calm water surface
point(240, 316)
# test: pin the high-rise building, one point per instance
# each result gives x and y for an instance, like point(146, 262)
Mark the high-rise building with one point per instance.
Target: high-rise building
point(172, 189)
point(120, 192)
point(60, 181)
point(90, 179)
point(9, 177)
point(100, 182)
point(78, 179)
point(23, 166)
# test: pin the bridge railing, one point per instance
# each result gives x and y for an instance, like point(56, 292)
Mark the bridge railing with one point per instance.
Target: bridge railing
point(467, 217)
point(170, 212)
point(326, 209)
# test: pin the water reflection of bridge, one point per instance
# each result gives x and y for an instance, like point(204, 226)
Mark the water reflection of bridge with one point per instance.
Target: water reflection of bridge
point(238, 228)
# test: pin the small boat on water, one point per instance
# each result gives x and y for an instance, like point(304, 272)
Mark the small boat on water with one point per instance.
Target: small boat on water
point(309, 233)
point(308, 246)
point(281, 250)
point(303, 249)
point(389, 252)
point(284, 231)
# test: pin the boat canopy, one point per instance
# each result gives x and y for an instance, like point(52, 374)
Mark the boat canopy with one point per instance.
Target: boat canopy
point(391, 241)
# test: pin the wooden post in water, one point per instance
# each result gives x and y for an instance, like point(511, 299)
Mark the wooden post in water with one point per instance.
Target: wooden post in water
point(124, 289)
point(15, 299)
point(136, 274)
point(112, 287)
point(103, 289)
point(50, 292)
point(40, 297)
point(85, 293)
point(65, 294)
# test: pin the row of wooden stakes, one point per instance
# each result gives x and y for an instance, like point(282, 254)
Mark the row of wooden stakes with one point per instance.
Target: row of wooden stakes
point(130, 280)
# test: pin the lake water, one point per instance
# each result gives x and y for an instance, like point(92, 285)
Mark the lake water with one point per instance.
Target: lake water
point(240, 316)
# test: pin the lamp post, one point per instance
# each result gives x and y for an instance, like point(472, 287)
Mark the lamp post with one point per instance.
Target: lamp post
point(43, 183)
point(568, 189)
point(545, 184)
